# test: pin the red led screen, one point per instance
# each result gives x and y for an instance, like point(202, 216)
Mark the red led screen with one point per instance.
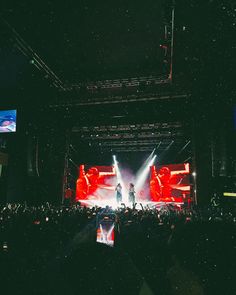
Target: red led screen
point(95, 182)
point(169, 183)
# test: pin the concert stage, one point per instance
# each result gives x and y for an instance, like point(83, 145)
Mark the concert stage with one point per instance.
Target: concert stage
point(150, 187)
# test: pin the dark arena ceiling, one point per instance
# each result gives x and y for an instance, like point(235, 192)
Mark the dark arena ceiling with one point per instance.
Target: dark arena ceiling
point(93, 54)
point(94, 65)
point(84, 48)
point(76, 42)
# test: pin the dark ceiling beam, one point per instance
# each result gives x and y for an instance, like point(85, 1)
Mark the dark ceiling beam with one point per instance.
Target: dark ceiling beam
point(129, 143)
point(117, 99)
point(128, 149)
point(139, 135)
point(33, 57)
point(128, 127)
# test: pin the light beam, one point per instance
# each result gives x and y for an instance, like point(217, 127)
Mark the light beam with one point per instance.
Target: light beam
point(142, 175)
point(146, 162)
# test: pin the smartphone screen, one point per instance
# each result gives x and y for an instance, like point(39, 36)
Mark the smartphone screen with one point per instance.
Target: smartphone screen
point(105, 232)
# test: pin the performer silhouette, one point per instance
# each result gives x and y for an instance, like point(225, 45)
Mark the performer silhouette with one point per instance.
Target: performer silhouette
point(118, 193)
point(131, 193)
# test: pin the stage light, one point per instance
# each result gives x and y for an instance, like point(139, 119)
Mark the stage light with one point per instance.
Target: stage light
point(142, 175)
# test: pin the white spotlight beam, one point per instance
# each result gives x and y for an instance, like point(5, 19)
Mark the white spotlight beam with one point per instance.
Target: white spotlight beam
point(142, 176)
point(146, 162)
point(163, 154)
point(180, 151)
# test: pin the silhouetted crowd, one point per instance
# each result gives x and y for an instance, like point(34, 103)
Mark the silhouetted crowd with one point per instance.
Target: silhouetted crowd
point(51, 249)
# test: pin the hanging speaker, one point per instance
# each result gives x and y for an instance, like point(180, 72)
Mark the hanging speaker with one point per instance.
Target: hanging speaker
point(32, 157)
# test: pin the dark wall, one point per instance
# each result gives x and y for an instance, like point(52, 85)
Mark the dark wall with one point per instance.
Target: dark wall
point(35, 158)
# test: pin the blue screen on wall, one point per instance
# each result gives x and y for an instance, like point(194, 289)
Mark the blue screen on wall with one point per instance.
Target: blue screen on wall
point(7, 121)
